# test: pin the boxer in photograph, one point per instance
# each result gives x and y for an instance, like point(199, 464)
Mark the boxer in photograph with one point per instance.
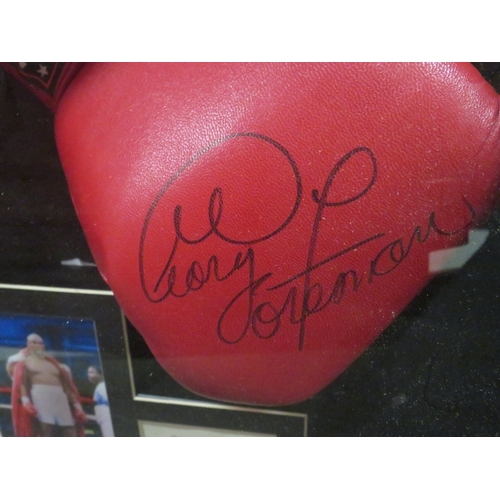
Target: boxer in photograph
point(44, 396)
point(101, 409)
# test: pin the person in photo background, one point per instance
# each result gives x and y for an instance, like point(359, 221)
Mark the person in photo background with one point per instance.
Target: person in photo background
point(101, 409)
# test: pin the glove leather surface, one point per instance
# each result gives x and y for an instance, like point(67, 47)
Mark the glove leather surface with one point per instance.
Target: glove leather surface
point(262, 224)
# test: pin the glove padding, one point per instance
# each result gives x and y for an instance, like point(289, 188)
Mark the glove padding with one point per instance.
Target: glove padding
point(79, 414)
point(30, 409)
point(262, 224)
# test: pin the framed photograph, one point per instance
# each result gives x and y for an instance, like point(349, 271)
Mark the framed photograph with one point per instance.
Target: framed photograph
point(52, 380)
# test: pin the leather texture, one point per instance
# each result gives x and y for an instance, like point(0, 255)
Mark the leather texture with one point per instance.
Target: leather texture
point(262, 224)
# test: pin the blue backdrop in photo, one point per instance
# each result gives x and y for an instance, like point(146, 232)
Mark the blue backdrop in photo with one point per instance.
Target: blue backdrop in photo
point(71, 340)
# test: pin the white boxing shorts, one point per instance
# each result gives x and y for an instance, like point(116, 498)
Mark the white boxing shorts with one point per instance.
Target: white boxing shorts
point(52, 405)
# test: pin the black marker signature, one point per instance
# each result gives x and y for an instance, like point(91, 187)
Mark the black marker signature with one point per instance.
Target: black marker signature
point(197, 276)
point(265, 319)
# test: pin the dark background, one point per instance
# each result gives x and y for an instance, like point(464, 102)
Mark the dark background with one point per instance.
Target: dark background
point(434, 372)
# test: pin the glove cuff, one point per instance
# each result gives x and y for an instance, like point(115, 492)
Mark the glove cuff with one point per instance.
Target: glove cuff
point(47, 81)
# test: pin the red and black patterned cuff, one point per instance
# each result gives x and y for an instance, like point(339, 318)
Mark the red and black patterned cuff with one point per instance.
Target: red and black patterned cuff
point(47, 81)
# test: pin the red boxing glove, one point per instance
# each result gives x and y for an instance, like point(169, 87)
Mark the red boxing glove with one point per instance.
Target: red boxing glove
point(79, 414)
point(30, 409)
point(262, 224)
